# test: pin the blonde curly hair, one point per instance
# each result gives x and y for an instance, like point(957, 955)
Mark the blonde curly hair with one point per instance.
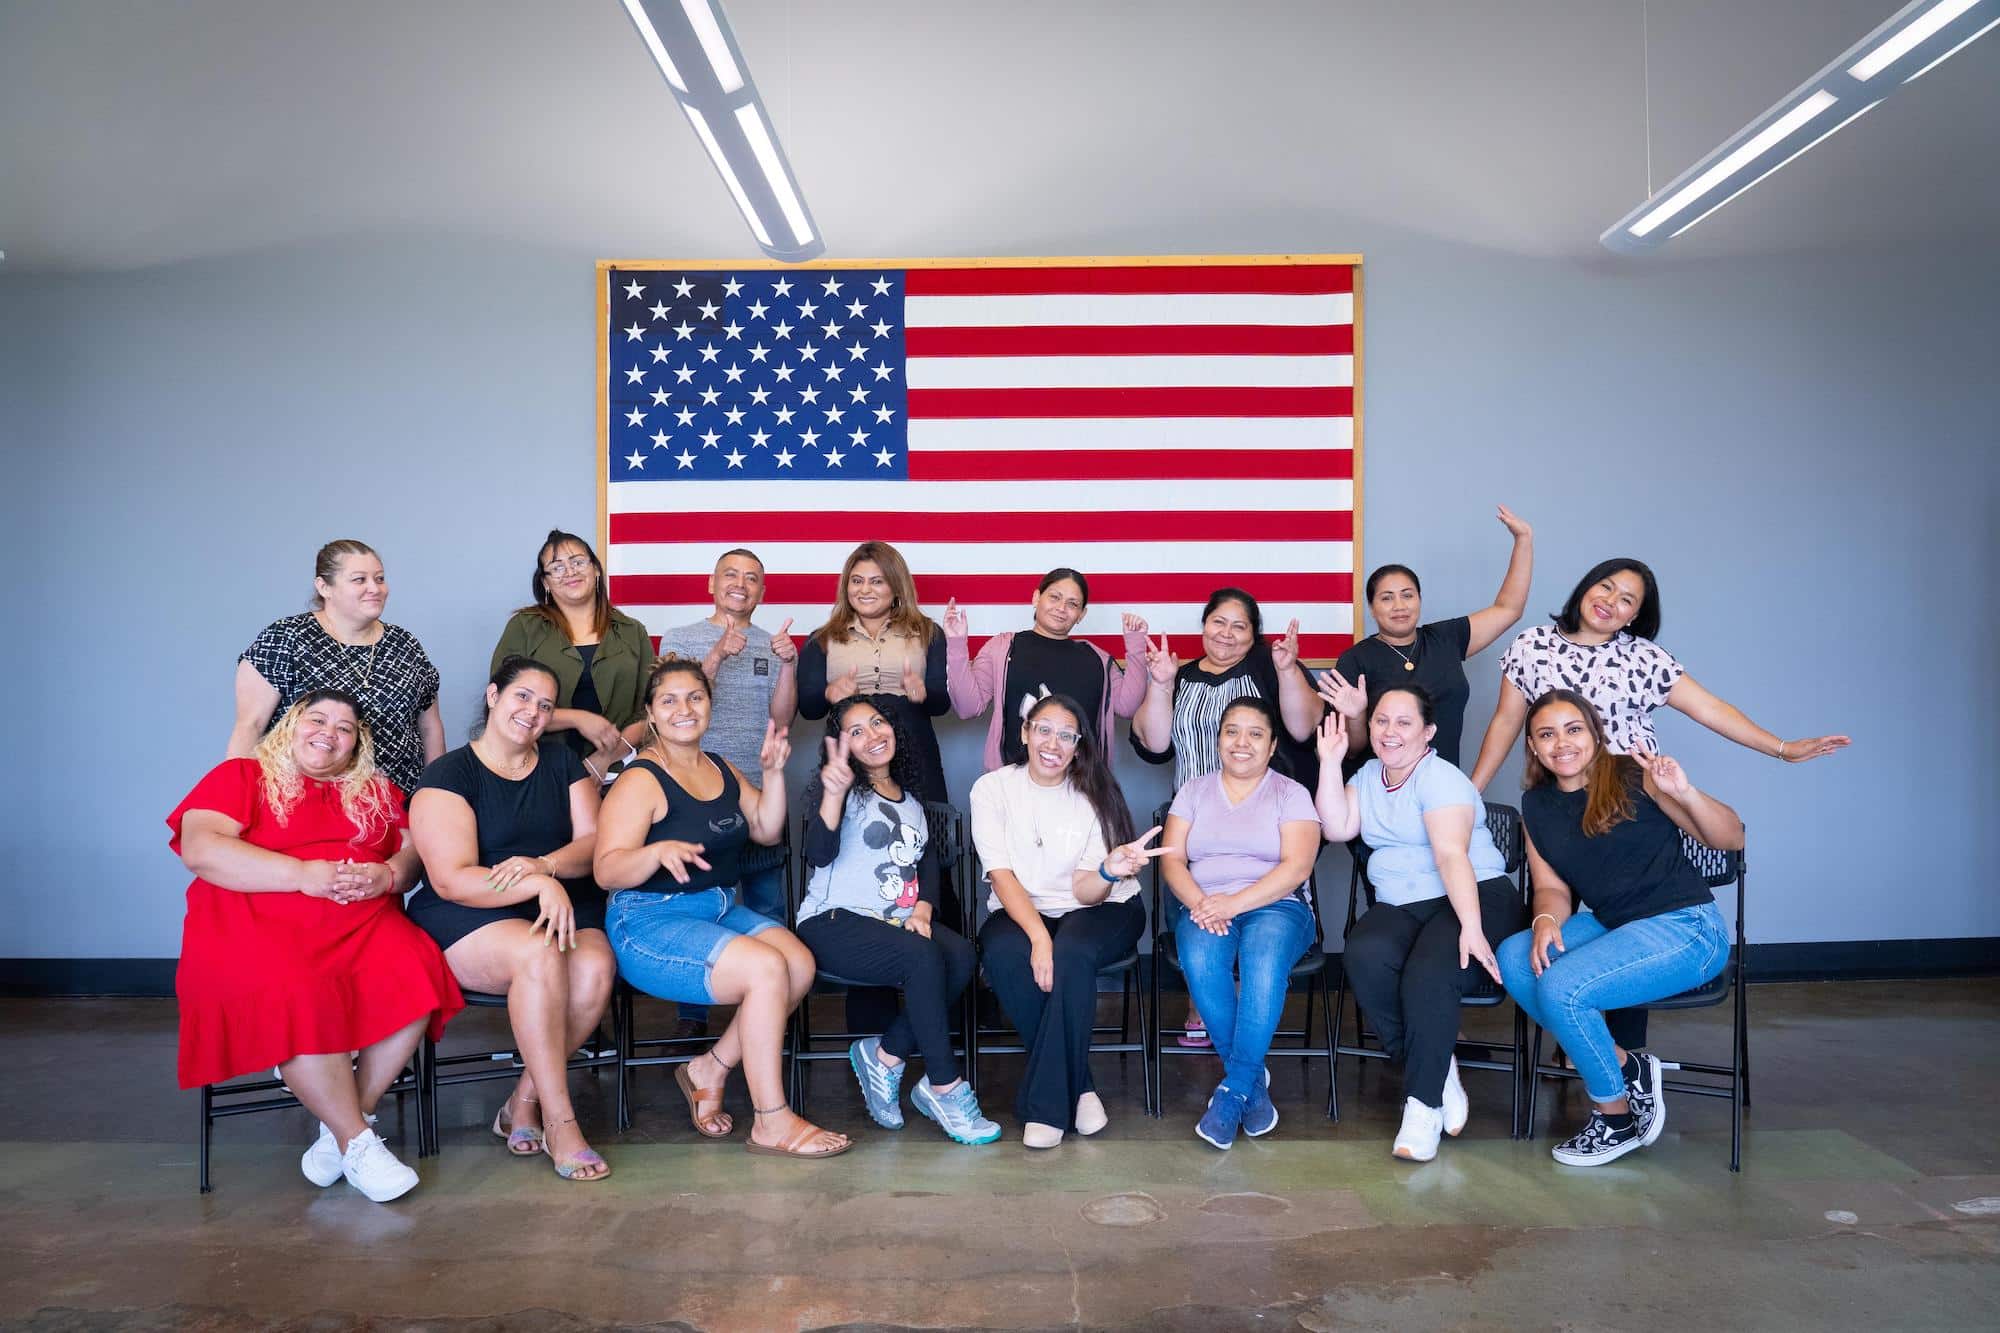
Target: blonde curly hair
point(364, 792)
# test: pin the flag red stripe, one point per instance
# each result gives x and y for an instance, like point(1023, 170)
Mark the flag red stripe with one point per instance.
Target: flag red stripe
point(990, 589)
point(1180, 400)
point(1312, 647)
point(748, 528)
point(1132, 465)
point(1136, 340)
point(1282, 279)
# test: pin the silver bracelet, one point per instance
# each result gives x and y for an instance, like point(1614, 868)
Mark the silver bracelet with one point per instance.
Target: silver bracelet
point(1552, 920)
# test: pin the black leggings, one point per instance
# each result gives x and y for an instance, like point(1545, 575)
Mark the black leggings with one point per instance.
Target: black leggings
point(930, 973)
point(1402, 963)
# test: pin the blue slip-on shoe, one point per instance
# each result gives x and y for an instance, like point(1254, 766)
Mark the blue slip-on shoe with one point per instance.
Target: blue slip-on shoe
point(881, 1086)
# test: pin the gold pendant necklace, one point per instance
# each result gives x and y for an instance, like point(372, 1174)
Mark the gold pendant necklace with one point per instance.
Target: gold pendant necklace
point(1408, 665)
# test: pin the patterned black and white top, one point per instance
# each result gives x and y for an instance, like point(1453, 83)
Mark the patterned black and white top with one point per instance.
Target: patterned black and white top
point(395, 685)
point(1625, 679)
point(1199, 699)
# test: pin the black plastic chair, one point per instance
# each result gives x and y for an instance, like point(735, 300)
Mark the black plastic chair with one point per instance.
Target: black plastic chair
point(435, 1071)
point(1005, 1041)
point(1504, 823)
point(947, 835)
point(1718, 869)
point(218, 1101)
point(670, 1051)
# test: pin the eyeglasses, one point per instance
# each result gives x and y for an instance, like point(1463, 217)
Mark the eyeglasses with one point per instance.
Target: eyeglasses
point(576, 564)
point(1043, 731)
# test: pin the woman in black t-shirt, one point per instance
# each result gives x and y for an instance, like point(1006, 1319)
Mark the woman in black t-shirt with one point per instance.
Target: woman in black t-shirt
point(669, 850)
point(506, 826)
point(1604, 830)
point(1403, 650)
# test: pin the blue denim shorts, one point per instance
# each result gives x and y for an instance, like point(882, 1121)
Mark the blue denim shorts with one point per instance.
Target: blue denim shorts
point(667, 943)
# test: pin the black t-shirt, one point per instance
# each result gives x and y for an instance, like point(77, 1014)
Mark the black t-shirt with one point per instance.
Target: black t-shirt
point(1634, 870)
point(516, 817)
point(584, 696)
point(1038, 665)
point(1435, 661)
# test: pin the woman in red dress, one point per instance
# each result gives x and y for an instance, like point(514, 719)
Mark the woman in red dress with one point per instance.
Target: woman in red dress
point(296, 951)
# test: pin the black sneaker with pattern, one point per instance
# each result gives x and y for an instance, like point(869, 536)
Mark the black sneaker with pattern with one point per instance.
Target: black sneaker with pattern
point(1644, 1091)
point(1599, 1141)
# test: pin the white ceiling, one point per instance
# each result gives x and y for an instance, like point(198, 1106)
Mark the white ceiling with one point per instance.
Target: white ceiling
point(141, 133)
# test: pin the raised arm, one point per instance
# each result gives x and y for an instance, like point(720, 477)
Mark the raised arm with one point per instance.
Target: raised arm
point(1726, 720)
point(785, 692)
point(1512, 599)
point(1126, 682)
point(764, 807)
point(1336, 803)
point(1450, 830)
point(1153, 724)
point(1510, 714)
point(969, 681)
point(1694, 811)
point(1298, 703)
point(812, 698)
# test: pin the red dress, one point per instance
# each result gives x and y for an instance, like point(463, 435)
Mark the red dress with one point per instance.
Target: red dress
point(267, 976)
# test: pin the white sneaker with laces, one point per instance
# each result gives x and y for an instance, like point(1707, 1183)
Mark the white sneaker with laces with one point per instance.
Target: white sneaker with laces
point(371, 1168)
point(321, 1162)
point(1417, 1140)
point(1456, 1108)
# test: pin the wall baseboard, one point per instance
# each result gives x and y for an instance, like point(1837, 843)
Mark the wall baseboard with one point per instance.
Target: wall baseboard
point(1829, 960)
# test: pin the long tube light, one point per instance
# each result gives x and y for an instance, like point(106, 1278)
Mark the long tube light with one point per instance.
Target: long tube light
point(691, 42)
point(1910, 43)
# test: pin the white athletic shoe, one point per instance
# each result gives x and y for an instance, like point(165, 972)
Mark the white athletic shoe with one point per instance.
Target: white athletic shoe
point(1456, 1108)
point(1417, 1140)
point(371, 1168)
point(321, 1162)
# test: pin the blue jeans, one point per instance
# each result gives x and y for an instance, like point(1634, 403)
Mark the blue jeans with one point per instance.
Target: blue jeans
point(1261, 946)
point(1648, 959)
point(667, 944)
point(763, 892)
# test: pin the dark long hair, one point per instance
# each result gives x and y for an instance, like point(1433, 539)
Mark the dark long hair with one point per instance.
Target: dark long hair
point(544, 604)
point(512, 667)
point(904, 768)
point(1088, 772)
point(1612, 776)
point(1645, 625)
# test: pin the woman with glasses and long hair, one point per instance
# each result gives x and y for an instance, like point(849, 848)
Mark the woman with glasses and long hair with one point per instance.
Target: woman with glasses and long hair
point(295, 951)
point(598, 654)
point(1061, 863)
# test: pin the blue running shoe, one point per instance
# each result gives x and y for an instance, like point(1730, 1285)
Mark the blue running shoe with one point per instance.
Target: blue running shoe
point(881, 1086)
point(1219, 1123)
point(957, 1112)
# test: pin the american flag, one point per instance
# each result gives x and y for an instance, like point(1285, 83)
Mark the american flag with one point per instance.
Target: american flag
point(1166, 427)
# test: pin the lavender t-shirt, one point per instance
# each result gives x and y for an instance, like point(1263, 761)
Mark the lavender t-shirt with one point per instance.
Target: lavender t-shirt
point(1231, 847)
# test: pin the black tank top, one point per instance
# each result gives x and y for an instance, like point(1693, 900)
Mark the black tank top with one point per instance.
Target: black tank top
point(718, 825)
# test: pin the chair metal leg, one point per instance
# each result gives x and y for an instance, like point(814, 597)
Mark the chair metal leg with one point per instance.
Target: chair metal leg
point(1125, 1007)
point(1534, 1083)
point(1743, 1038)
point(1520, 1057)
point(207, 1127)
point(623, 1001)
point(1336, 1013)
point(426, 1093)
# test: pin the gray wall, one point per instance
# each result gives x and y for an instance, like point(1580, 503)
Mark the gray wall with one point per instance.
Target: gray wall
point(1802, 446)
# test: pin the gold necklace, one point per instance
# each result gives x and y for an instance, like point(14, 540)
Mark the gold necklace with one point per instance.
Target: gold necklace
point(1408, 665)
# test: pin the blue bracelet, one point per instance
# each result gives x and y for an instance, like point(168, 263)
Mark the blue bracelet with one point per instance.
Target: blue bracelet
point(1107, 877)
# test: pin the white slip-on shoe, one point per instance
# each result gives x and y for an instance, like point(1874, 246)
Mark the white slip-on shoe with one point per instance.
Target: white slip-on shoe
point(1035, 1134)
point(321, 1162)
point(371, 1168)
point(1417, 1140)
point(1456, 1108)
point(1090, 1114)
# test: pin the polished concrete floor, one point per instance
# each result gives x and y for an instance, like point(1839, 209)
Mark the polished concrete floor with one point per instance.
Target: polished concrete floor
point(1870, 1198)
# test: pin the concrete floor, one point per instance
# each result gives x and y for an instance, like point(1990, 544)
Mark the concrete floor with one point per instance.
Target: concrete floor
point(1870, 1198)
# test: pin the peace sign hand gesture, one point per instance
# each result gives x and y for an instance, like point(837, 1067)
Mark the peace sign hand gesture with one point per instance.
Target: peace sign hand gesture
point(1285, 648)
point(1666, 773)
point(776, 749)
point(1161, 665)
point(836, 775)
point(1127, 860)
point(955, 624)
point(1343, 698)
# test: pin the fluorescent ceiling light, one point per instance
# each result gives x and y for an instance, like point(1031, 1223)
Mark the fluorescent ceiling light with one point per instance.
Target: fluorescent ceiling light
point(1755, 146)
point(1923, 32)
point(1908, 37)
point(729, 118)
point(651, 37)
point(702, 19)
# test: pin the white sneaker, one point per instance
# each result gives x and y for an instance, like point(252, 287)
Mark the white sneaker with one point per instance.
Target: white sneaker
point(1456, 1108)
point(321, 1163)
point(1417, 1140)
point(371, 1168)
point(1090, 1114)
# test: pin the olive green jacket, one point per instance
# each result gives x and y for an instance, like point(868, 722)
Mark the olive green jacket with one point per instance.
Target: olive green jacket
point(619, 670)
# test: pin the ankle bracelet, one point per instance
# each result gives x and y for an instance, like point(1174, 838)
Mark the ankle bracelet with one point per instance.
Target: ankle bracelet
point(770, 1110)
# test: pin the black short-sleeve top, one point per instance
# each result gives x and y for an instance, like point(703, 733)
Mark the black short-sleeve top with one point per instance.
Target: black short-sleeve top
point(1633, 870)
point(392, 678)
point(1435, 661)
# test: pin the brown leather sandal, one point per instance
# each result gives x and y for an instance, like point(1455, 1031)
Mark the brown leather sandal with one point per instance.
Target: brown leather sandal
point(695, 1096)
point(793, 1144)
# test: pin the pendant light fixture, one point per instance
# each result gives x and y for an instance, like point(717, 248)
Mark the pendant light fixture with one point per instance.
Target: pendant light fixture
point(691, 42)
point(1912, 42)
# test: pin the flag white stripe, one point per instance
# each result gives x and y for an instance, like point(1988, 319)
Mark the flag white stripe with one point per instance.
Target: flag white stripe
point(1069, 309)
point(985, 618)
point(1129, 372)
point(975, 434)
point(1028, 559)
point(813, 493)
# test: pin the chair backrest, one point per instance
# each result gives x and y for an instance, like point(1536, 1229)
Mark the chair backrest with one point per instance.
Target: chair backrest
point(947, 830)
point(947, 835)
point(1719, 870)
point(1504, 823)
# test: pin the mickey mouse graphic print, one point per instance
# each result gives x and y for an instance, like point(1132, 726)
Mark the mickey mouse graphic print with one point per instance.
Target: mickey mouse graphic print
point(874, 866)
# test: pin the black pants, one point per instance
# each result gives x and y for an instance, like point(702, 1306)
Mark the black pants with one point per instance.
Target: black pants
point(1055, 1024)
point(873, 1008)
point(930, 973)
point(1628, 1027)
point(1402, 964)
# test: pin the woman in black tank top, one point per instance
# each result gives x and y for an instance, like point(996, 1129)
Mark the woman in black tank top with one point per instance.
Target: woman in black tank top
point(1604, 832)
point(669, 842)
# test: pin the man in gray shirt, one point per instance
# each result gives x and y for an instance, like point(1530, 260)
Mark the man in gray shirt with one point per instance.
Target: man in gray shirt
point(756, 677)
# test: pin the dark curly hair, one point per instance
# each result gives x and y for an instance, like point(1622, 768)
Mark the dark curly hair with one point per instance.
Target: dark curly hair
point(903, 765)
